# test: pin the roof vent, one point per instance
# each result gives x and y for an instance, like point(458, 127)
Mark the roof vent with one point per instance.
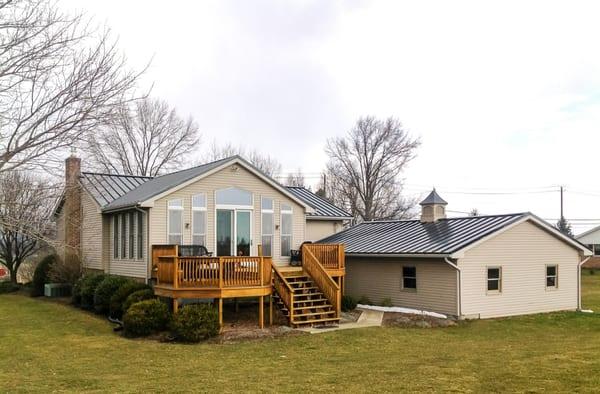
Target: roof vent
point(433, 208)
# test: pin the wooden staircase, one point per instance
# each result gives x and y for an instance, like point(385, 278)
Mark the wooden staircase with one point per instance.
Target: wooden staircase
point(309, 305)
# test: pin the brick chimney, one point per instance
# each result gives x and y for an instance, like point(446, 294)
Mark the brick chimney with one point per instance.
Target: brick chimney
point(72, 207)
point(433, 208)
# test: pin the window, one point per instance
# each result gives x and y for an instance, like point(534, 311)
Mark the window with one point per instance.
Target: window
point(140, 235)
point(267, 225)
point(552, 276)
point(233, 196)
point(494, 279)
point(116, 236)
point(409, 277)
point(199, 219)
point(131, 235)
point(175, 221)
point(596, 248)
point(286, 230)
point(123, 236)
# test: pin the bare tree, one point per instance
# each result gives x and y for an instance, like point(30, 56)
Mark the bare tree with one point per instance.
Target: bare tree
point(25, 218)
point(364, 168)
point(267, 164)
point(59, 79)
point(296, 179)
point(147, 138)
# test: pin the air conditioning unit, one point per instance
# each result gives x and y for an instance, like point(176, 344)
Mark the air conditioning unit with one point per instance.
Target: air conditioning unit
point(57, 290)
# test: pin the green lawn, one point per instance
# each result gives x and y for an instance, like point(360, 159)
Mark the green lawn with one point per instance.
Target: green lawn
point(46, 346)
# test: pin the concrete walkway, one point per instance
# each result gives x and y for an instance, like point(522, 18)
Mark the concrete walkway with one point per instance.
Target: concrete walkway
point(368, 318)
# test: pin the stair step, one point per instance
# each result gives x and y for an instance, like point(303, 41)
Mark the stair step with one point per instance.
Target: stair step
point(313, 314)
point(314, 293)
point(301, 282)
point(295, 277)
point(317, 300)
point(311, 322)
point(306, 288)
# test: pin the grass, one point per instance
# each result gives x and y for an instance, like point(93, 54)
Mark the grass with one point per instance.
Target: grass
point(45, 346)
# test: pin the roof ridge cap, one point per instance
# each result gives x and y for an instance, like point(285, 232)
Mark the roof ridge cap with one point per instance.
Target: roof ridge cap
point(120, 175)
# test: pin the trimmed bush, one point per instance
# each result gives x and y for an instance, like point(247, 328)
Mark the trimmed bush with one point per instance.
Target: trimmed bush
point(76, 292)
point(40, 275)
point(194, 323)
point(88, 288)
point(105, 290)
point(119, 297)
point(137, 296)
point(364, 300)
point(145, 317)
point(387, 301)
point(348, 303)
point(8, 287)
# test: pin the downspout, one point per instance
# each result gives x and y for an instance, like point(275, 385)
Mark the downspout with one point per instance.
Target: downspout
point(579, 282)
point(458, 285)
point(145, 215)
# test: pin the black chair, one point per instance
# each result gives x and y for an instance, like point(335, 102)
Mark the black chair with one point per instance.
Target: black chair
point(296, 255)
point(193, 250)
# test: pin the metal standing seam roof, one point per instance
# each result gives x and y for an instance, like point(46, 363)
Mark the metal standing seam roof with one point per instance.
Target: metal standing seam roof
point(105, 188)
point(322, 207)
point(445, 236)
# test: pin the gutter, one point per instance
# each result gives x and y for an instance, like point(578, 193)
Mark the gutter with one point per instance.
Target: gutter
point(458, 284)
point(579, 281)
point(417, 255)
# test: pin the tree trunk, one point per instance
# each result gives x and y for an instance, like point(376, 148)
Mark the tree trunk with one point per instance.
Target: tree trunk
point(13, 275)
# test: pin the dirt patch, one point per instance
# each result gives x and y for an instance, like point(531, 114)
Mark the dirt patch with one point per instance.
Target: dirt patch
point(395, 319)
point(350, 316)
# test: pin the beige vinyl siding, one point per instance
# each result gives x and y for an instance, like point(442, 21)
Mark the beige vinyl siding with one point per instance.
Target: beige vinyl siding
point(226, 178)
point(91, 232)
point(522, 252)
point(319, 229)
point(379, 278)
point(135, 267)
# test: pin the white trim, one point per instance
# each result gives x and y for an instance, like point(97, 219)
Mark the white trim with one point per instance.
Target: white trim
point(458, 285)
point(199, 209)
point(175, 208)
point(236, 160)
point(272, 212)
point(282, 212)
point(541, 223)
point(487, 279)
point(233, 247)
point(582, 262)
point(546, 276)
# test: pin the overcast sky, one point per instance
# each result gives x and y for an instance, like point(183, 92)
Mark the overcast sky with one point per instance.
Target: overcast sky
point(505, 96)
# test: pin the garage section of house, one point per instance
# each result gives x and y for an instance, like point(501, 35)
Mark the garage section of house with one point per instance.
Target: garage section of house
point(469, 267)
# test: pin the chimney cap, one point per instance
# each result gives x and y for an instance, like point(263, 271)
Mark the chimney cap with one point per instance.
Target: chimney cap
point(433, 198)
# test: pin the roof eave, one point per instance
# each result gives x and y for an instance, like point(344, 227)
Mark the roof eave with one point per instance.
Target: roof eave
point(405, 255)
point(323, 217)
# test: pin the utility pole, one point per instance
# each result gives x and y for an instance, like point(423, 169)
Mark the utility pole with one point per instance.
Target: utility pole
point(562, 216)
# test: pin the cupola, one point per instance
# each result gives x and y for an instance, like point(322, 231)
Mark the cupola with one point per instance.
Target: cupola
point(433, 208)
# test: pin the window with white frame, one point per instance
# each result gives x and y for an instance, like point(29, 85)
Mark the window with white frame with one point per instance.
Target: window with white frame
point(123, 236)
point(175, 221)
point(140, 235)
point(552, 276)
point(286, 229)
point(267, 225)
point(131, 235)
point(116, 236)
point(199, 219)
point(233, 196)
point(494, 279)
point(409, 277)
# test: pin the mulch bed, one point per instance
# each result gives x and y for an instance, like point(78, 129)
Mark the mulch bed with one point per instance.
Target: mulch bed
point(406, 320)
point(350, 316)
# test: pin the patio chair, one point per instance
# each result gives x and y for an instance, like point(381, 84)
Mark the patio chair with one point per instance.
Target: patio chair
point(296, 255)
point(193, 250)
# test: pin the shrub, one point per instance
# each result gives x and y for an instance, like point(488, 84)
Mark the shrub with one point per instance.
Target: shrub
point(65, 271)
point(88, 288)
point(40, 275)
point(387, 301)
point(348, 303)
point(8, 287)
point(194, 323)
point(145, 317)
point(104, 291)
point(76, 292)
point(364, 300)
point(137, 296)
point(119, 297)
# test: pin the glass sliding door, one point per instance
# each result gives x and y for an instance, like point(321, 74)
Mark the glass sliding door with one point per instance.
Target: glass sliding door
point(243, 234)
point(224, 232)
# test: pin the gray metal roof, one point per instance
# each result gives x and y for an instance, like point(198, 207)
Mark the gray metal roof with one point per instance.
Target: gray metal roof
point(161, 184)
point(411, 237)
point(433, 198)
point(105, 188)
point(322, 207)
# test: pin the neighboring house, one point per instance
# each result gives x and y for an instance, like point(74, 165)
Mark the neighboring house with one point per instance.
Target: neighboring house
point(121, 224)
point(591, 239)
point(471, 267)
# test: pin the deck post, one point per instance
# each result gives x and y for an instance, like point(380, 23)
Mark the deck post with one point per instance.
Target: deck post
point(175, 305)
point(221, 312)
point(261, 312)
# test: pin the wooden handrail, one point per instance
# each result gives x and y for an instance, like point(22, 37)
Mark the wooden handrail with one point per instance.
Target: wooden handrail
point(285, 291)
point(331, 256)
point(328, 286)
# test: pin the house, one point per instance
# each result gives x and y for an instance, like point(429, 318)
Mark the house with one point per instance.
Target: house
point(469, 267)
point(143, 227)
point(591, 239)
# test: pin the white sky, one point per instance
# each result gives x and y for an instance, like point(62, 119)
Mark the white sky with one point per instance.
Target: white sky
point(505, 96)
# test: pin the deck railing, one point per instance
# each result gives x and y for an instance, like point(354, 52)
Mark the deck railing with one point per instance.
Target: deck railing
point(213, 272)
point(328, 286)
point(285, 291)
point(331, 256)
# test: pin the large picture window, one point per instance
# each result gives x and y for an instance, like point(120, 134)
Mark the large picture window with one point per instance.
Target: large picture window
point(199, 219)
point(233, 196)
point(267, 225)
point(175, 221)
point(286, 229)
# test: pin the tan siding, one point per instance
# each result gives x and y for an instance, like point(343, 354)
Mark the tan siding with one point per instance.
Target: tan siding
point(225, 178)
point(91, 232)
point(379, 278)
point(319, 229)
point(523, 253)
point(126, 267)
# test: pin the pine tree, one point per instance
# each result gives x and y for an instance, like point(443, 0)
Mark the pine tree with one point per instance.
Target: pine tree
point(564, 226)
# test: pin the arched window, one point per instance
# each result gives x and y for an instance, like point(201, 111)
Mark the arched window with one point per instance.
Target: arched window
point(233, 196)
